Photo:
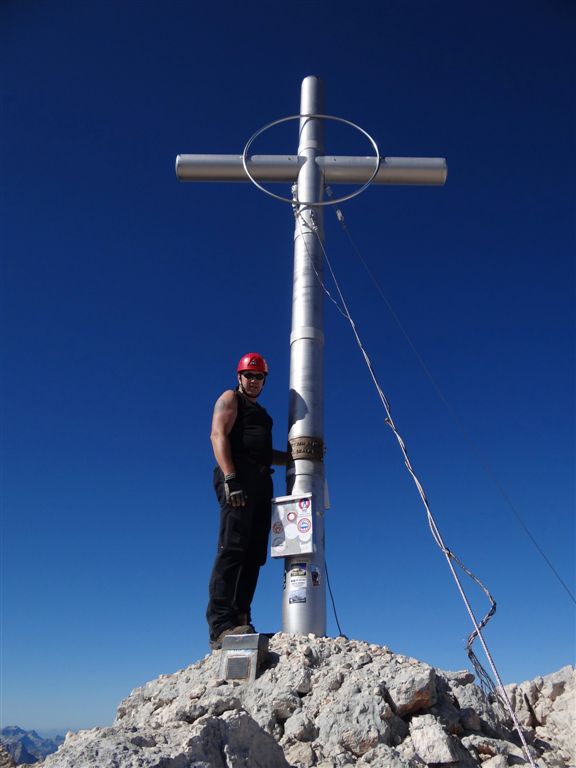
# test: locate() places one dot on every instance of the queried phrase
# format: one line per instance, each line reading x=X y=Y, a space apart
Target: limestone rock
x=231 y=741
x=413 y=689
x=548 y=706
x=383 y=755
x=301 y=728
x=470 y=719
x=498 y=761
x=430 y=741
x=300 y=755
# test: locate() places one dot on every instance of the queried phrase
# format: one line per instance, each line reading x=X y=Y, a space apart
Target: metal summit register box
x=243 y=657
x=292 y=518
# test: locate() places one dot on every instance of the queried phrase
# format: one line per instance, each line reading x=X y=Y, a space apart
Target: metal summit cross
x=304 y=599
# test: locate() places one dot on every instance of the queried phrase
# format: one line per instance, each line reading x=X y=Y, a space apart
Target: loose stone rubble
x=328 y=703
x=6 y=760
x=546 y=707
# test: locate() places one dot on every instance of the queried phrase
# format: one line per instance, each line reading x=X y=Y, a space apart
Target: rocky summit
x=329 y=702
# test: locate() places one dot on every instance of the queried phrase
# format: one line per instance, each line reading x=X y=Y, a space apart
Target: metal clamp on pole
x=311 y=448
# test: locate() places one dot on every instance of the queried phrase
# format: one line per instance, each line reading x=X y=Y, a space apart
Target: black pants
x=242 y=549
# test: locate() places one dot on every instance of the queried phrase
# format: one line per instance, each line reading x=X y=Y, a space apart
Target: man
x=242 y=442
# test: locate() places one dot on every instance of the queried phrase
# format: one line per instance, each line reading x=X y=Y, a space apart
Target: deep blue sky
x=127 y=298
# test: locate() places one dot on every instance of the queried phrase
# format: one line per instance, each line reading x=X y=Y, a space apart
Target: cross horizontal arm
x=336 y=170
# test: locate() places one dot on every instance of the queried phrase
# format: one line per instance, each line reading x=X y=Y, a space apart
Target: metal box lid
x=292 y=524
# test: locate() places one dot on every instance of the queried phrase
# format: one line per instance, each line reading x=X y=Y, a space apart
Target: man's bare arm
x=223 y=418
x=280 y=458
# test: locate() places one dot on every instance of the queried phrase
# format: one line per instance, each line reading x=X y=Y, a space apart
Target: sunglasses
x=250 y=376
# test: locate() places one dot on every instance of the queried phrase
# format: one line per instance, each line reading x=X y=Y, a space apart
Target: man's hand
x=235 y=495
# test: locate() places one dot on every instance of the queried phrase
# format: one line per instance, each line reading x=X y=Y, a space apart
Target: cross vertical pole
x=311 y=169
x=306 y=406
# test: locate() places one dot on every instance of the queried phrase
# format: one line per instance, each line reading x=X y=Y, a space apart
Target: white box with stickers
x=292 y=522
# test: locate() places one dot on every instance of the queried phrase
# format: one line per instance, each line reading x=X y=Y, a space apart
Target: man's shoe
x=244 y=618
x=243 y=629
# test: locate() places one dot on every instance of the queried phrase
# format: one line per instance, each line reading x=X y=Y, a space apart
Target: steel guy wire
x=324 y=288
x=450 y=556
x=332 y=597
x=483 y=461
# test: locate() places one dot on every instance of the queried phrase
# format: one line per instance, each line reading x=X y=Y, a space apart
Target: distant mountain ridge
x=28 y=747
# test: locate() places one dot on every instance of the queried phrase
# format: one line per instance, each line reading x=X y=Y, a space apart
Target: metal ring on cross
x=320 y=203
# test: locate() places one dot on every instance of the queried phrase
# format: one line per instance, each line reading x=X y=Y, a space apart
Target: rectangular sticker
x=297 y=575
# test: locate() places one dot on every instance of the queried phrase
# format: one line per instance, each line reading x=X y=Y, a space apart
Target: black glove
x=235 y=495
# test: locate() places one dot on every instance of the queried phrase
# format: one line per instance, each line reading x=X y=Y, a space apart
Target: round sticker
x=304 y=525
x=291 y=531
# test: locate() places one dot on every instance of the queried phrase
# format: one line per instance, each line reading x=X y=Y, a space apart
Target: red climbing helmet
x=252 y=361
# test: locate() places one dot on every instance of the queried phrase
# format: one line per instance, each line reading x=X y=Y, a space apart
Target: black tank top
x=251 y=436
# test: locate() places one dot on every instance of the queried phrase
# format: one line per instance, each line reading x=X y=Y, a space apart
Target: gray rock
x=448 y=714
x=383 y=756
x=233 y=739
x=485 y=748
x=547 y=705
x=399 y=729
x=492 y=717
x=462 y=677
x=499 y=761
x=483 y=745
x=431 y=743
x=353 y=722
x=300 y=755
x=470 y=719
x=301 y=727
x=413 y=689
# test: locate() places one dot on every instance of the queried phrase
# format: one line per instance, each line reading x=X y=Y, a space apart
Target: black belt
x=264 y=469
